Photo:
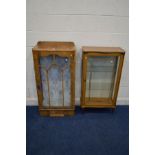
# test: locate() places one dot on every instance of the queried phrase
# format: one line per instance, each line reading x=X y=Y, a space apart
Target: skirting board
x=34 y=101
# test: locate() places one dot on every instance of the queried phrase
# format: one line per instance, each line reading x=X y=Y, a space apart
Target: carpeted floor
x=89 y=132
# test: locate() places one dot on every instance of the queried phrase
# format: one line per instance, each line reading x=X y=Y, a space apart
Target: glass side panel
x=101 y=72
x=55 y=76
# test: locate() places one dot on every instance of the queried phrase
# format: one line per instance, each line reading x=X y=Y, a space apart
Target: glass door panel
x=101 y=73
x=55 y=76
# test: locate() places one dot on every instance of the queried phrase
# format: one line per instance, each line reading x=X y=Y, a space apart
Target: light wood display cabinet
x=101 y=74
x=54 y=65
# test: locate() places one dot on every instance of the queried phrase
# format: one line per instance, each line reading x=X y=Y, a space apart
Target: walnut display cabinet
x=101 y=74
x=54 y=65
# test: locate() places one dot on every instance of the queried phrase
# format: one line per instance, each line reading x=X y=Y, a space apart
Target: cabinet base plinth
x=56 y=113
x=98 y=106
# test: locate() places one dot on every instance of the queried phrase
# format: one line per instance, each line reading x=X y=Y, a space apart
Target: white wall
x=86 y=22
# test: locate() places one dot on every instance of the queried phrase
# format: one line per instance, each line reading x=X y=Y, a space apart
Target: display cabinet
x=54 y=65
x=101 y=74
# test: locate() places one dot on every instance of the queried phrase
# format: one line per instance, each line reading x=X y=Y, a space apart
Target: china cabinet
x=101 y=74
x=54 y=65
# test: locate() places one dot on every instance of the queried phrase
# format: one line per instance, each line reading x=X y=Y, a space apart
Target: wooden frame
x=62 y=49
x=99 y=102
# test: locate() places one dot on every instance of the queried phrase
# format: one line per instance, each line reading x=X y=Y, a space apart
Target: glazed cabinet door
x=100 y=79
x=56 y=81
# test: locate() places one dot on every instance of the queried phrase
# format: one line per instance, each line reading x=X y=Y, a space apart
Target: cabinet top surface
x=54 y=46
x=102 y=49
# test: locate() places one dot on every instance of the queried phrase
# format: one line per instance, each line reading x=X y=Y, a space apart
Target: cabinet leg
x=113 y=109
x=82 y=110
